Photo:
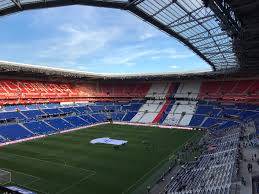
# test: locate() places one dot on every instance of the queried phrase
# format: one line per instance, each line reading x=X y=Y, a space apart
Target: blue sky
x=94 y=40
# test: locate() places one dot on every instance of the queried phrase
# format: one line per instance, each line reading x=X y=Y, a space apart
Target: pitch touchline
x=159 y=164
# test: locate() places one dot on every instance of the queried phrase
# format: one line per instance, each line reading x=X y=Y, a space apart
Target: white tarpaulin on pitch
x=107 y=140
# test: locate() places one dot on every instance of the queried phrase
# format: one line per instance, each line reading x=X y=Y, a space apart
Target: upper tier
x=25 y=92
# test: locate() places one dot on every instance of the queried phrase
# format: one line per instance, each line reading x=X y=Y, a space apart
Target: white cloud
x=181 y=56
x=78 y=41
x=93 y=40
x=147 y=35
x=174 y=66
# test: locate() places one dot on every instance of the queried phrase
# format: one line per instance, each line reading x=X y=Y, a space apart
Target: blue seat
x=196 y=120
x=117 y=116
x=100 y=117
x=32 y=106
x=89 y=119
x=10 y=108
x=52 y=105
x=129 y=116
x=59 y=124
x=42 y=106
x=22 y=107
x=14 y=132
x=67 y=110
x=228 y=111
x=247 y=114
x=204 y=109
x=11 y=115
x=33 y=114
x=227 y=124
x=52 y=111
x=83 y=109
x=39 y=127
x=211 y=122
x=96 y=108
x=76 y=121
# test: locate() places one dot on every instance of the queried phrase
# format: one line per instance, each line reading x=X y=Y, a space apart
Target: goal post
x=5 y=177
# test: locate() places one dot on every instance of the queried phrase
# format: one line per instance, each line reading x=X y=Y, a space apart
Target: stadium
x=71 y=131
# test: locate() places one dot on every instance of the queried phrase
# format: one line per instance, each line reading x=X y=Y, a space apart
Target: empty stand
x=159 y=90
x=149 y=111
x=240 y=90
x=39 y=127
x=181 y=113
x=14 y=132
x=188 y=89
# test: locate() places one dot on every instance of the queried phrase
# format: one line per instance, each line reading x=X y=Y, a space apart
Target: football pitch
x=68 y=163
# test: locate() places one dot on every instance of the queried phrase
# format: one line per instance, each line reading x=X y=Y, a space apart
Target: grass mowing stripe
x=23 y=173
x=76 y=183
x=55 y=163
x=158 y=165
x=62 y=161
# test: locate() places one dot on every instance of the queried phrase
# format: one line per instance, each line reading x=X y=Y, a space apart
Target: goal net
x=5 y=177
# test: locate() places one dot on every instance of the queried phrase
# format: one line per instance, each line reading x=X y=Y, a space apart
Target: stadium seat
x=39 y=127
x=14 y=132
x=59 y=124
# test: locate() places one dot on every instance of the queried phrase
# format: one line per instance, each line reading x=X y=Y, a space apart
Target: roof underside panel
x=247 y=42
x=187 y=20
x=197 y=25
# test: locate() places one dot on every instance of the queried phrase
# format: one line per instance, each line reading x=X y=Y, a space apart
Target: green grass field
x=68 y=163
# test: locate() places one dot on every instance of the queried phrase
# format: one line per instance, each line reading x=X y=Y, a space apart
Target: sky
x=93 y=39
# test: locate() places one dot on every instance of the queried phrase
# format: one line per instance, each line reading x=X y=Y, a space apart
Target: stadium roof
x=208 y=27
x=10 y=70
x=246 y=44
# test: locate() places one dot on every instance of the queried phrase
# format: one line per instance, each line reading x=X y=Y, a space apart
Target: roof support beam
x=17 y=3
x=191 y=23
x=170 y=32
x=163 y=8
x=59 y=3
x=201 y=19
x=225 y=14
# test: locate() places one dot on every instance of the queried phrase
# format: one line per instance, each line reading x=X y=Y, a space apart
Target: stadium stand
x=181 y=113
x=159 y=90
x=188 y=89
x=39 y=127
x=213 y=171
x=14 y=132
x=207 y=105
x=239 y=90
x=149 y=111
x=184 y=104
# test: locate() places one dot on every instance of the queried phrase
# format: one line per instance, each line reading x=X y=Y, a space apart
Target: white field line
x=55 y=163
x=26 y=184
x=92 y=173
x=26 y=174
